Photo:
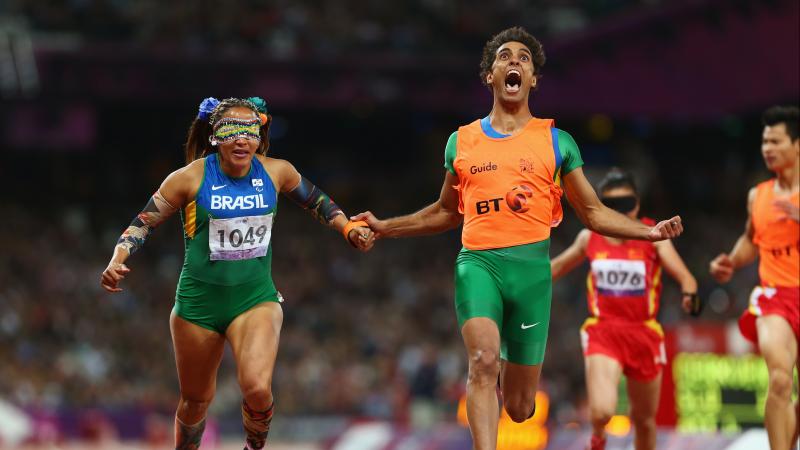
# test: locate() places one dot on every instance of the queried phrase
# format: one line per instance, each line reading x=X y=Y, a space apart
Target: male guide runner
x=772 y=233
x=502 y=183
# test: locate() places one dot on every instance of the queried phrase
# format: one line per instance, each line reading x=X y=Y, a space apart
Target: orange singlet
x=508 y=190
x=778 y=240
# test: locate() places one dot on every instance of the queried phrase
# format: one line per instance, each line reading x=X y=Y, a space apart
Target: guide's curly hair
x=516 y=34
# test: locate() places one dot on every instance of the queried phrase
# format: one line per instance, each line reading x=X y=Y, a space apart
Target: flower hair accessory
x=206 y=107
x=259 y=103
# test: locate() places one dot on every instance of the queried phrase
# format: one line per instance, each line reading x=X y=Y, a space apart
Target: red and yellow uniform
x=624 y=289
x=778 y=240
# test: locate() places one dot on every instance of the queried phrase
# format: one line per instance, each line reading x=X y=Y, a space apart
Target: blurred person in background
x=227 y=196
x=502 y=181
x=772 y=234
x=622 y=334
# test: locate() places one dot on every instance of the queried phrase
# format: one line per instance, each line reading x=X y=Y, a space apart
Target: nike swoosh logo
x=214 y=188
x=525 y=327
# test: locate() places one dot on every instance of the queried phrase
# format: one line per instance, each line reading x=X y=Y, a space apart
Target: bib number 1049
x=235 y=239
x=239 y=237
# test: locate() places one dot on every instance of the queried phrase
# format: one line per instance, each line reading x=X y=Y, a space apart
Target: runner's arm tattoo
x=157 y=210
x=312 y=199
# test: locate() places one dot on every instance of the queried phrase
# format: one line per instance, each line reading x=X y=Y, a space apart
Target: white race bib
x=619 y=277
x=239 y=237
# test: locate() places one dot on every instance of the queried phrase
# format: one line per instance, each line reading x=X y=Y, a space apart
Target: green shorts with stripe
x=513 y=287
x=215 y=306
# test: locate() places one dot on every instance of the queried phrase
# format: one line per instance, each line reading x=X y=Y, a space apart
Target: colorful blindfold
x=229 y=129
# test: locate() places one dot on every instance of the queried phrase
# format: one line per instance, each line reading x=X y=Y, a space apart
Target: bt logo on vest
x=784 y=251
x=516 y=200
x=484 y=206
x=486 y=167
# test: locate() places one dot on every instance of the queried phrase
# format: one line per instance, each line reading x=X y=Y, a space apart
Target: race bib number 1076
x=619 y=277
x=239 y=237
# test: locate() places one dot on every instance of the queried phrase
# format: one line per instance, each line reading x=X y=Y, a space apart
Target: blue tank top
x=228 y=227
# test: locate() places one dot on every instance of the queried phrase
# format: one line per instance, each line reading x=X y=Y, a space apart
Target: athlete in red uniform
x=772 y=233
x=622 y=334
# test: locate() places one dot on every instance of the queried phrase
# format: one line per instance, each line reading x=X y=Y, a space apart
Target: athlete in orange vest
x=772 y=234
x=622 y=334
x=502 y=182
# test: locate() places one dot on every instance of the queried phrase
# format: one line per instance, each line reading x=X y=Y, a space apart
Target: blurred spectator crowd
x=307 y=28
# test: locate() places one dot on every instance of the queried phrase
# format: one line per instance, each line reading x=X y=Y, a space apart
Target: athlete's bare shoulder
x=191 y=173
x=751 y=197
x=749 y=229
x=583 y=237
x=194 y=167
x=180 y=187
x=270 y=161
x=283 y=173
